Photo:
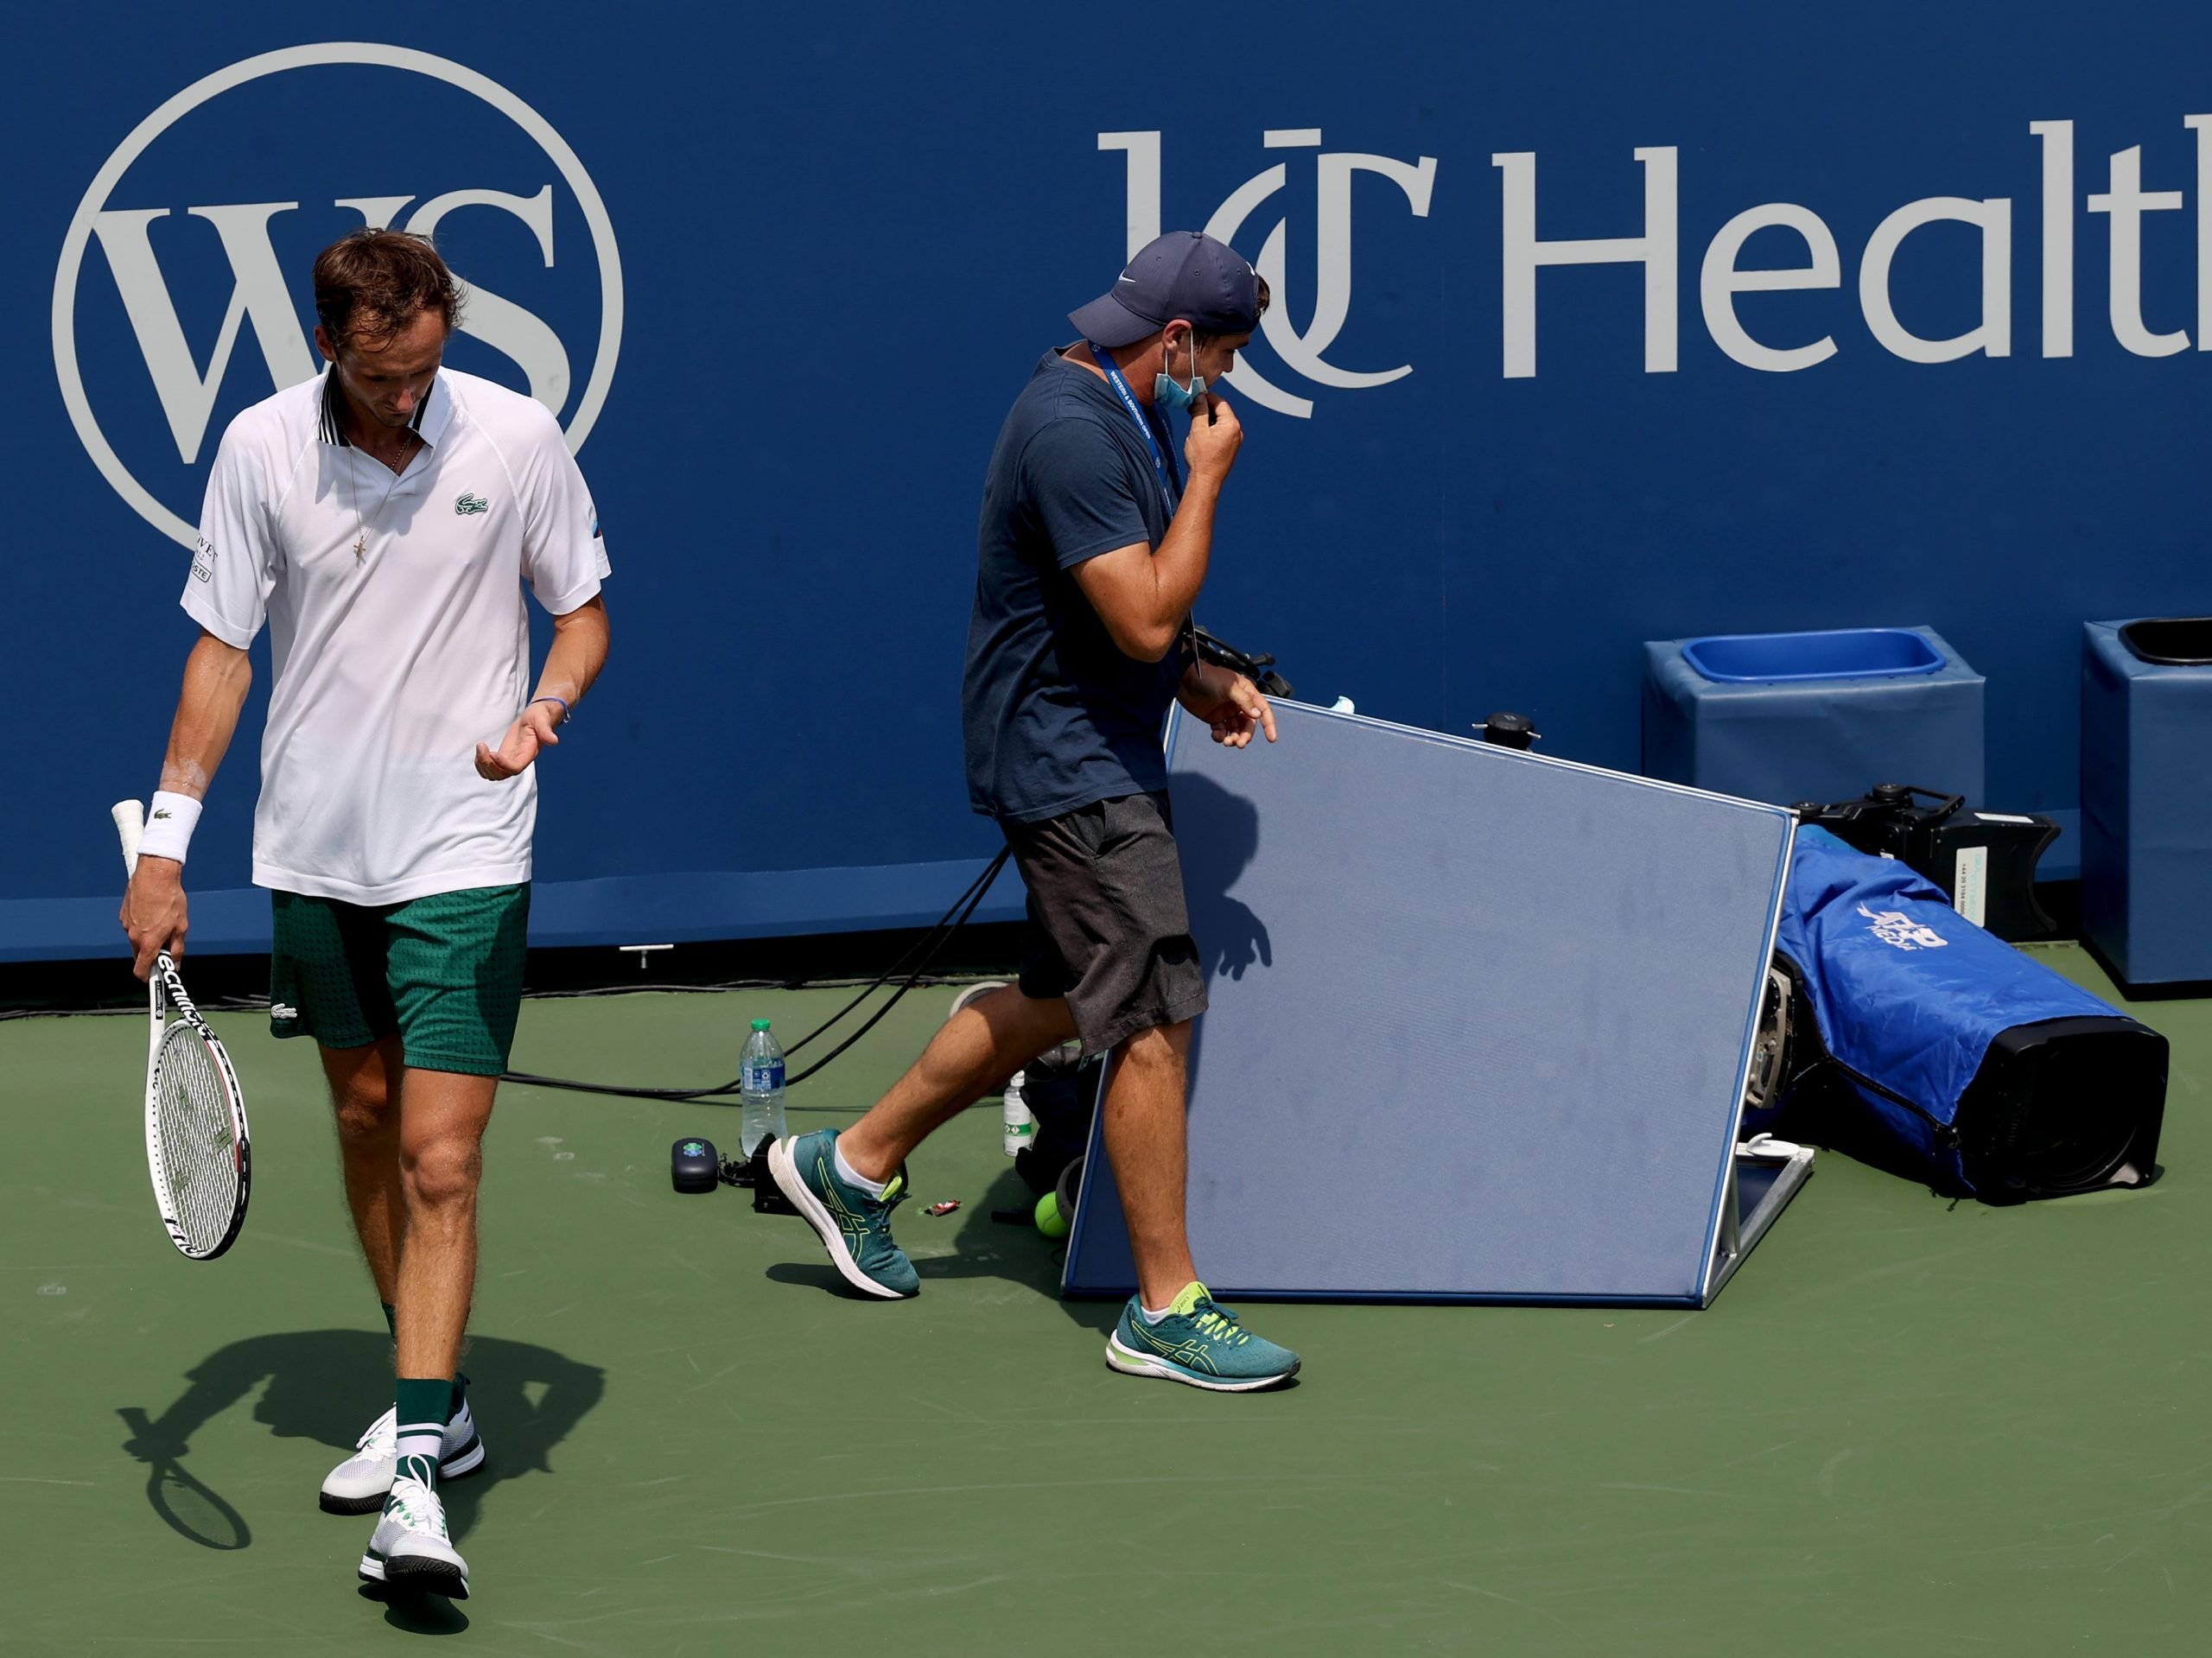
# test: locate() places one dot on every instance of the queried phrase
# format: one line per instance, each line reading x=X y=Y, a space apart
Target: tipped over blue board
x=1480 y=1021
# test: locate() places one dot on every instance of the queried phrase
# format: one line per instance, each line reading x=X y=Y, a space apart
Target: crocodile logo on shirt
x=468 y=506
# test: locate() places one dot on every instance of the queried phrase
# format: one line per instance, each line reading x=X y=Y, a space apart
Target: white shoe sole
x=1120 y=1358
x=784 y=1167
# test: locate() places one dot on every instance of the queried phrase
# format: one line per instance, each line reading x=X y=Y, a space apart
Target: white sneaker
x=409 y=1548
x=360 y=1485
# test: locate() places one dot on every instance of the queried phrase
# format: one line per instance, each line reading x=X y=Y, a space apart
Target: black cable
x=875 y=1018
x=972 y=898
x=135 y=1006
x=928 y=946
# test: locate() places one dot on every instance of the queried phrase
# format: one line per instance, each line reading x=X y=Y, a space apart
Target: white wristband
x=169 y=823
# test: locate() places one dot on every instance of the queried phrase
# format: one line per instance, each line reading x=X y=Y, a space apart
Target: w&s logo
x=177 y=303
x=1300 y=354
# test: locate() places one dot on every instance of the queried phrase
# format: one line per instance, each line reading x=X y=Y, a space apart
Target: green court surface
x=1907 y=1427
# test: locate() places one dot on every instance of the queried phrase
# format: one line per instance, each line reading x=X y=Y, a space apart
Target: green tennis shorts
x=444 y=972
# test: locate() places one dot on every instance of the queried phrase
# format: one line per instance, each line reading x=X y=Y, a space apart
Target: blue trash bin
x=2146 y=799
x=1784 y=717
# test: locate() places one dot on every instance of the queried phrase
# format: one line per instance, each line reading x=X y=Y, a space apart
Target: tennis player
x=1094 y=543
x=382 y=519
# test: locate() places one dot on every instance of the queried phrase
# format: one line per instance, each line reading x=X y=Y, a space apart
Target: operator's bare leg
x=1171 y=1327
x=974 y=1053
x=1145 y=1141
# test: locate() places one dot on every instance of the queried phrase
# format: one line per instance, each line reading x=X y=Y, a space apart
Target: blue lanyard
x=1170 y=482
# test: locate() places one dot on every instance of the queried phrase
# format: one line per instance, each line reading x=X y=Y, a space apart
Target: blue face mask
x=1170 y=393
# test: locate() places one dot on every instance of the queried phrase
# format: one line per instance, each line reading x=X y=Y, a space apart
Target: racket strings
x=199 y=1142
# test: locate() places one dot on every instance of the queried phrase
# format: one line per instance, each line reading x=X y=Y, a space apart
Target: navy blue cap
x=1183 y=274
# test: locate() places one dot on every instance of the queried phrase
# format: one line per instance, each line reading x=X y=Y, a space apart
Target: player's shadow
x=326 y=1386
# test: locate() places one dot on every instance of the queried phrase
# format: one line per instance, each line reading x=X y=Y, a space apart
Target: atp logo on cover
x=1299 y=353
x=1899 y=931
x=182 y=294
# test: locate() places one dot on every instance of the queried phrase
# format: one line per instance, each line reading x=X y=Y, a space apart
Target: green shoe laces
x=1220 y=1324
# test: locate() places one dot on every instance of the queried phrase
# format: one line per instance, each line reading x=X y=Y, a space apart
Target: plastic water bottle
x=760 y=1091
x=1020 y=1122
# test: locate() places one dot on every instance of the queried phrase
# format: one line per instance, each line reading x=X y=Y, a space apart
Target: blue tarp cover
x=1908 y=993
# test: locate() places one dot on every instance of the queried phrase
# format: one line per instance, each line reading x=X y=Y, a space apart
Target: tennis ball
x=1050 y=1221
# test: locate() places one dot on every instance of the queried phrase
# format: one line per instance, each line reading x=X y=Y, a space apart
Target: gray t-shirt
x=1055 y=716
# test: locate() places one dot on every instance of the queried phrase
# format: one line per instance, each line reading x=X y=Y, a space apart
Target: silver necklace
x=361 y=536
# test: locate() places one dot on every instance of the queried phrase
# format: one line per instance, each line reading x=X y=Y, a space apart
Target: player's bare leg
x=362 y=1094
x=442 y=1116
x=366 y=1085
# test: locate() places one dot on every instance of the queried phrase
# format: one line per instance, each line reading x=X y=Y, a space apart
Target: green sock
x=391 y=1319
x=460 y=1392
x=421 y=1408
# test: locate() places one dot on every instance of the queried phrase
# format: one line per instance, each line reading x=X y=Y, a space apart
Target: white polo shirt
x=393 y=665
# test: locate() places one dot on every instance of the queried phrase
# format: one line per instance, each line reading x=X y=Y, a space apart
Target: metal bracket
x=1767 y=1173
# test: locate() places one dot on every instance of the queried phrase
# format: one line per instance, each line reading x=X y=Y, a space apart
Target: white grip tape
x=130 y=817
x=169 y=823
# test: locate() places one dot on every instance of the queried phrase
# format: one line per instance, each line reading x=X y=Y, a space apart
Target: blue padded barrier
x=673 y=909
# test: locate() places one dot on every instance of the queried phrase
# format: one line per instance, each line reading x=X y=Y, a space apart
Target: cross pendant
x=360 y=548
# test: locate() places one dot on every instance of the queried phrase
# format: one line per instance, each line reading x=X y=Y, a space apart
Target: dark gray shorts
x=1108 y=928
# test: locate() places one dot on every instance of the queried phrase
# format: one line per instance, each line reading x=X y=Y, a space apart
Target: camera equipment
x=1984 y=862
x=753 y=1173
x=1772 y=1049
x=1259 y=670
x=1509 y=731
x=695 y=1166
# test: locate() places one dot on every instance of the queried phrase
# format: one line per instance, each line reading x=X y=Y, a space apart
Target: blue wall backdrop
x=783 y=270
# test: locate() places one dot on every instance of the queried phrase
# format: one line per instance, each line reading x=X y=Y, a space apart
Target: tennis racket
x=196 y=1149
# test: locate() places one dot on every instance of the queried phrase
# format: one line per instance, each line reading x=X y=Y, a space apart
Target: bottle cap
x=760 y=1023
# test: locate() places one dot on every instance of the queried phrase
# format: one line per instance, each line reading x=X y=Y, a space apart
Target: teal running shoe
x=853 y=1227
x=1200 y=1341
